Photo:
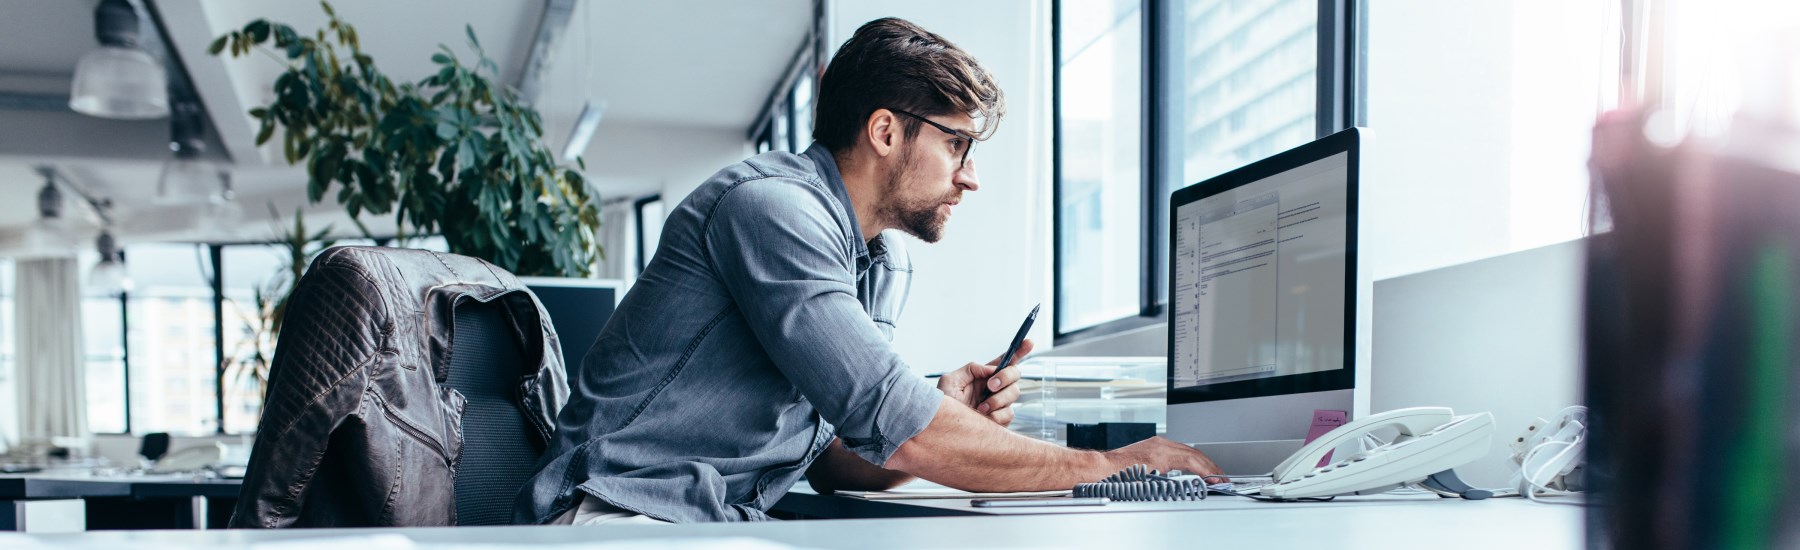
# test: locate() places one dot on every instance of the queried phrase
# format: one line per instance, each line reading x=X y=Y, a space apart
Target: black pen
x=1018 y=340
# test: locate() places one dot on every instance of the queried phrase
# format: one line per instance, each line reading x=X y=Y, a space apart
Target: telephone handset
x=198 y=457
x=1431 y=440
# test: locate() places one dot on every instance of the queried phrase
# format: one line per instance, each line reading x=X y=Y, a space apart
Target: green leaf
x=455 y=145
x=315 y=188
x=218 y=45
x=257 y=30
x=327 y=6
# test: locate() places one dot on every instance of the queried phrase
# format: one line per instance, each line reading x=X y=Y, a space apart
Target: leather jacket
x=358 y=428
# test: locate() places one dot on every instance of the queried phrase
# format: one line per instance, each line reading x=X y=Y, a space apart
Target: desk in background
x=62 y=502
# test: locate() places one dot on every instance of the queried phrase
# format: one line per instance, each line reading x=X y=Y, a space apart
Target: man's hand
x=971 y=383
x=1162 y=454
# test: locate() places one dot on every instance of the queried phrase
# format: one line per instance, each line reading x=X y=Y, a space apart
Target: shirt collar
x=828 y=168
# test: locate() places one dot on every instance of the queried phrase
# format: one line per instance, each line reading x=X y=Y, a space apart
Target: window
x=786 y=123
x=252 y=278
x=169 y=334
x=103 y=336
x=1154 y=95
x=1100 y=115
x=650 y=214
x=1241 y=84
x=801 y=99
x=9 y=416
x=783 y=139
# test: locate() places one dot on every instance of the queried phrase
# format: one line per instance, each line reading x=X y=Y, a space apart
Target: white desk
x=1382 y=524
x=801 y=501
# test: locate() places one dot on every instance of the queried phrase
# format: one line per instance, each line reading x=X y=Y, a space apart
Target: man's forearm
x=838 y=469
x=962 y=449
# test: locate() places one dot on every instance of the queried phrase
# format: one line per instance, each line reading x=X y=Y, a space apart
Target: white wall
x=1481 y=112
x=971 y=290
x=1501 y=335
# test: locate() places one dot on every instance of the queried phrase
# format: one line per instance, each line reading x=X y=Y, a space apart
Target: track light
x=187 y=178
x=108 y=278
x=120 y=80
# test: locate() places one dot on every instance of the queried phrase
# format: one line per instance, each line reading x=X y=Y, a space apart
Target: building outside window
x=169 y=329
x=1228 y=82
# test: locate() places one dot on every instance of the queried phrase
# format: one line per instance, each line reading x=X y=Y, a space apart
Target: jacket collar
x=829 y=169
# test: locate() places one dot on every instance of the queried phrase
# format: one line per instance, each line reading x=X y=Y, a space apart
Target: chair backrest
x=500 y=448
x=154 y=446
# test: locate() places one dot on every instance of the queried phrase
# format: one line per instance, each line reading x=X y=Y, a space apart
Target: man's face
x=928 y=179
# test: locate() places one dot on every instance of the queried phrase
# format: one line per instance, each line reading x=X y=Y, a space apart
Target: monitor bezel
x=1346 y=141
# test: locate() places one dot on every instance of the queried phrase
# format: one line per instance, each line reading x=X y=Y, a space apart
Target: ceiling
x=673 y=69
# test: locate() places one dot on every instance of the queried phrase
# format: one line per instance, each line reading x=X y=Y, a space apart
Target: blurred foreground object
x=1693 y=298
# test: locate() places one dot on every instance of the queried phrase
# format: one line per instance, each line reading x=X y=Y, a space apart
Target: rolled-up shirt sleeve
x=783 y=255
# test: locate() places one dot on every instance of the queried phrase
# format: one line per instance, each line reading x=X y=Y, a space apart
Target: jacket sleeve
x=314 y=385
x=783 y=255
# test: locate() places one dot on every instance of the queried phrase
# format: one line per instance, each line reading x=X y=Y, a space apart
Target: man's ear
x=882 y=131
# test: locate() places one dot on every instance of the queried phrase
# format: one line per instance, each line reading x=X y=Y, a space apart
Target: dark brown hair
x=891 y=63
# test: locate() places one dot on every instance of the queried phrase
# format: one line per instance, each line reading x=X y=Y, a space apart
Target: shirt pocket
x=884 y=291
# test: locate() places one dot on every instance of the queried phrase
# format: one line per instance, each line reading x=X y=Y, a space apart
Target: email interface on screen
x=1259 y=278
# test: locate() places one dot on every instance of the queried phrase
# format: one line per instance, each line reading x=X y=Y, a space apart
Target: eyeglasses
x=968 y=140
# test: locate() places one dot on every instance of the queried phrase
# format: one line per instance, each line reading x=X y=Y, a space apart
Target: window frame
x=805 y=68
x=637 y=219
x=124 y=300
x=1339 y=81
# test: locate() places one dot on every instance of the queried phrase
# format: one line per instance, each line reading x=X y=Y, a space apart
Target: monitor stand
x=1249 y=458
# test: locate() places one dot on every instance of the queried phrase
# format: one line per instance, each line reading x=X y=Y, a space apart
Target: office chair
x=153 y=447
x=409 y=388
x=500 y=451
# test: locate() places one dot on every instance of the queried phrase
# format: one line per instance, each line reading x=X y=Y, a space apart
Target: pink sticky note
x=1323 y=422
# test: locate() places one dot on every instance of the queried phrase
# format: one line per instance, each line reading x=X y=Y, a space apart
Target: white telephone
x=1431 y=440
x=198 y=457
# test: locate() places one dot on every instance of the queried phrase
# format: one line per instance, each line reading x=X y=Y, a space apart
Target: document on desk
x=922 y=489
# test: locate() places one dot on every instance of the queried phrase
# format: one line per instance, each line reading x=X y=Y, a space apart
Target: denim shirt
x=759 y=331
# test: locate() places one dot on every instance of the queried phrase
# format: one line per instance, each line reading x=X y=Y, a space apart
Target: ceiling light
x=49 y=235
x=119 y=80
x=108 y=278
x=221 y=217
x=50 y=201
x=583 y=130
x=186 y=178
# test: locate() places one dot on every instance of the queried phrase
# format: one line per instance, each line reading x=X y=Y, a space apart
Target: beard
x=918 y=216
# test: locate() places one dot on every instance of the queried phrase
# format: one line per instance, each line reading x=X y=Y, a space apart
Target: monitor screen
x=1262 y=299
x=578 y=309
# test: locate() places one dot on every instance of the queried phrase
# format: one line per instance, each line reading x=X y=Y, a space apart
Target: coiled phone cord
x=1141 y=483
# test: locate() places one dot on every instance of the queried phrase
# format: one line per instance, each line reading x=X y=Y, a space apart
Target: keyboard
x=1246 y=484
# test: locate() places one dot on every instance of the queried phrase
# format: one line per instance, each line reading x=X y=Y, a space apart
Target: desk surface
x=77 y=485
x=803 y=501
x=1372 y=524
x=31 y=486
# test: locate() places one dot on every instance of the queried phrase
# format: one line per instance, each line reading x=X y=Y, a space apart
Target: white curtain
x=52 y=379
x=618 y=234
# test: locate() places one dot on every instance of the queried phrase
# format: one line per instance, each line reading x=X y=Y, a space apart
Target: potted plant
x=454 y=154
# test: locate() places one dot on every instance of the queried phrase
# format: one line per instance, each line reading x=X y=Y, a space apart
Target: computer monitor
x=578 y=309
x=1268 y=305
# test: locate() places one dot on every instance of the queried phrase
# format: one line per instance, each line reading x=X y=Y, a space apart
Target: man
x=755 y=346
